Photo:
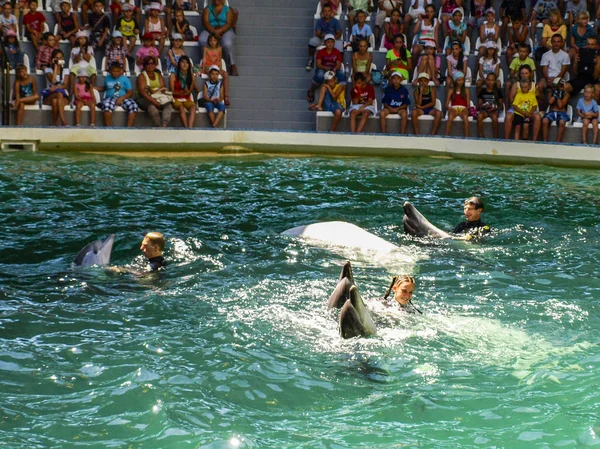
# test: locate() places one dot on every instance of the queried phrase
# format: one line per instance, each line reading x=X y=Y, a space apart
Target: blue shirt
x=110 y=83
x=331 y=27
x=592 y=107
x=395 y=97
x=364 y=32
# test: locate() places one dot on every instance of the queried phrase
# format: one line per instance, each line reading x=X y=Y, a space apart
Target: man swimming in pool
x=473 y=226
x=153 y=246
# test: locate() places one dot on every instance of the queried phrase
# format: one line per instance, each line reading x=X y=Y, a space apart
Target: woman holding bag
x=153 y=95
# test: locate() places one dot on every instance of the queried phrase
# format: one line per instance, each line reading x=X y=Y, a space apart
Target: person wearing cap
x=8 y=21
x=175 y=52
x=150 y=82
x=213 y=93
x=554 y=64
x=457 y=29
x=219 y=19
x=13 y=52
x=489 y=63
x=82 y=58
x=67 y=23
x=332 y=98
x=558 y=100
x=147 y=49
x=455 y=61
x=473 y=226
x=326 y=25
x=525 y=106
x=429 y=63
x=363 y=97
x=84 y=96
x=458 y=101
x=328 y=59
x=129 y=27
x=155 y=26
x=117 y=51
x=447 y=9
x=425 y=99
x=395 y=101
x=488 y=31
x=99 y=25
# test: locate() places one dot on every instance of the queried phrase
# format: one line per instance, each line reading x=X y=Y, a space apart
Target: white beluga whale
x=95 y=253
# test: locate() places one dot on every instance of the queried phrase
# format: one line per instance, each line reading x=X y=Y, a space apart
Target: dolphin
x=95 y=253
x=342 y=289
x=416 y=224
x=354 y=318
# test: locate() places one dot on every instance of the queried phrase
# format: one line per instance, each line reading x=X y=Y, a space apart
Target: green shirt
x=516 y=63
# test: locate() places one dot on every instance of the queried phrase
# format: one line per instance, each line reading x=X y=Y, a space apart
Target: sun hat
x=457 y=10
x=490 y=44
x=83 y=72
x=458 y=74
x=128 y=7
x=423 y=75
x=177 y=36
x=81 y=33
x=155 y=5
x=492 y=10
x=117 y=33
x=214 y=67
x=429 y=43
x=328 y=36
x=329 y=75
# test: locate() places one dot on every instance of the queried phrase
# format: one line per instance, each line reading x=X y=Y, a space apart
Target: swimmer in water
x=473 y=226
x=403 y=287
x=153 y=246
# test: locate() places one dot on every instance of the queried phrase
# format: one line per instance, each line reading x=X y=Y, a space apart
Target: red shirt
x=35 y=20
x=363 y=95
x=329 y=60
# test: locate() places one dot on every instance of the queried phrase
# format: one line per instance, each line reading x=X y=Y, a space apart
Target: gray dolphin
x=342 y=289
x=354 y=318
x=95 y=253
x=416 y=224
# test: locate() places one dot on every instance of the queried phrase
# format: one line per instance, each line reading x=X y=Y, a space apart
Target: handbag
x=163 y=97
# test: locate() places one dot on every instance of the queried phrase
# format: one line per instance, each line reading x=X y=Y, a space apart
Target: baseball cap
x=177 y=36
x=214 y=67
x=329 y=75
x=117 y=33
x=423 y=75
x=329 y=36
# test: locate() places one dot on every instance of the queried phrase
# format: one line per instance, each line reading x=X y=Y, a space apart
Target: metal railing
x=5 y=86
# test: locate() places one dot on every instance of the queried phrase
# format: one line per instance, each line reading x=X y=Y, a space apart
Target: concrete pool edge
x=184 y=142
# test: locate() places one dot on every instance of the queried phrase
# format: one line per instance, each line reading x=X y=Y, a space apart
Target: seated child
x=84 y=96
x=429 y=63
x=515 y=65
x=181 y=25
x=328 y=59
x=362 y=60
x=34 y=22
x=118 y=91
x=558 y=99
x=8 y=21
x=355 y=6
x=457 y=103
x=116 y=51
x=155 y=26
x=587 y=111
x=147 y=49
x=213 y=97
x=489 y=104
x=99 y=25
x=360 y=30
x=43 y=56
x=395 y=101
x=68 y=24
x=212 y=55
x=425 y=99
x=129 y=27
x=13 y=51
x=332 y=98
x=56 y=93
x=24 y=92
x=363 y=96
x=525 y=106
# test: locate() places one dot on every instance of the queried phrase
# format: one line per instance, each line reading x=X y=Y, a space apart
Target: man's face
x=148 y=248
x=557 y=43
x=471 y=213
x=98 y=8
x=7 y=9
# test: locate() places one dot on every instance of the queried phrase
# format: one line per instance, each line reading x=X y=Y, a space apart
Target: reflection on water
x=233 y=346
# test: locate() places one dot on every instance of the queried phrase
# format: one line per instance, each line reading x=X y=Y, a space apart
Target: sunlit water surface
x=233 y=345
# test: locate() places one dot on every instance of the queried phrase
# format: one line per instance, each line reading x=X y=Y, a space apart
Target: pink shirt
x=147 y=51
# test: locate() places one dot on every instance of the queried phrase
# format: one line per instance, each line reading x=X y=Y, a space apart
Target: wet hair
x=156 y=238
x=476 y=201
x=397 y=280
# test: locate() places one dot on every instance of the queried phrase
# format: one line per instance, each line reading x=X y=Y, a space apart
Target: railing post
x=5 y=74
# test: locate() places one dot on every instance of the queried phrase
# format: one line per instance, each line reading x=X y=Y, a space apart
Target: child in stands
x=360 y=30
x=82 y=58
x=182 y=26
x=425 y=100
x=24 y=91
x=213 y=97
x=578 y=36
x=57 y=82
x=541 y=13
x=99 y=25
x=516 y=64
x=395 y=101
x=587 y=111
x=511 y=10
x=362 y=60
x=84 y=96
x=458 y=102
x=399 y=59
x=325 y=26
x=68 y=24
x=489 y=31
x=175 y=52
x=363 y=97
x=489 y=104
x=425 y=30
x=116 y=51
x=183 y=85
x=8 y=21
x=477 y=16
x=456 y=62
x=147 y=49
x=490 y=63
x=355 y=6
x=517 y=36
x=392 y=28
x=525 y=105
x=447 y=9
x=213 y=55
x=34 y=22
x=118 y=91
x=155 y=25
x=129 y=27
x=429 y=63
x=558 y=100
x=13 y=51
x=332 y=98
x=44 y=54
x=328 y=59
x=385 y=10
x=457 y=30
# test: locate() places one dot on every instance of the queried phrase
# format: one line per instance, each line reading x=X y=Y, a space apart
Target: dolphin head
x=95 y=253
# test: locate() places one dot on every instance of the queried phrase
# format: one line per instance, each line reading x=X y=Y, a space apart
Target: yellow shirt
x=548 y=33
x=525 y=101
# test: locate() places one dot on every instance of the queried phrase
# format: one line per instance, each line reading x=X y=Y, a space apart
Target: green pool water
x=233 y=345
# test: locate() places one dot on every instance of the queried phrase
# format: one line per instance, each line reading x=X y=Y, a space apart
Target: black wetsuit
x=474 y=228
x=157 y=262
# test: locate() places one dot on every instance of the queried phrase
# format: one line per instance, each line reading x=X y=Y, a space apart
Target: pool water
x=233 y=345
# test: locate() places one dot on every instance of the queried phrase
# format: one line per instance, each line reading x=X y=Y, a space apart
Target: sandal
x=233 y=70
x=227 y=100
x=310 y=96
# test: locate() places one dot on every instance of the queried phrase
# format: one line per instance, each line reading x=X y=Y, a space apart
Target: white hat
x=394 y=73
x=155 y=5
x=423 y=75
x=177 y=36
x=329 y=75
x=457 y=10
x=83 y=72
x=117 y=33
x=490 y=44
x=328 y=36
x=81 y=33
x=214 y=67
x=429 y=43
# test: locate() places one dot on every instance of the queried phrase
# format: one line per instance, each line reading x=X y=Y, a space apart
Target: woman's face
x=403 y=292
x=395 y=16
x=184 y=64
x=363 y=46
x=399 y=42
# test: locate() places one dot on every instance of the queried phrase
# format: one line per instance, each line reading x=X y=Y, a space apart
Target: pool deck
x=185 y=143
